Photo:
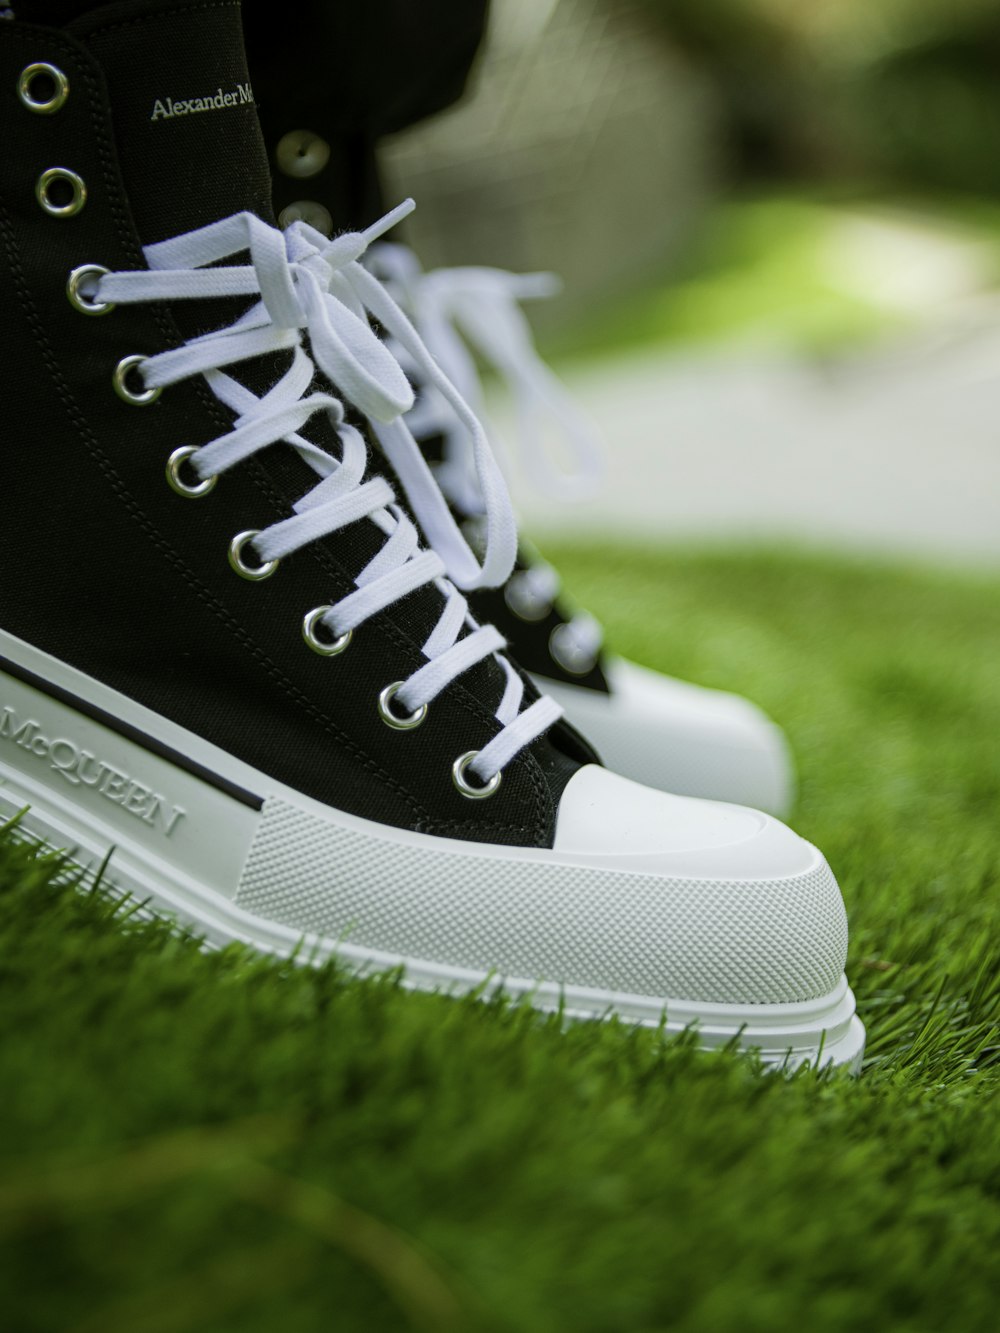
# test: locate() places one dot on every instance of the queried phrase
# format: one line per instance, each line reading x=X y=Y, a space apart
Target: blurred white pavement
x=896 y=451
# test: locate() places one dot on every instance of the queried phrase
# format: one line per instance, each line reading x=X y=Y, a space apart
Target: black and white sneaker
x=222 y=649
x=322 y=131
x=654 y=728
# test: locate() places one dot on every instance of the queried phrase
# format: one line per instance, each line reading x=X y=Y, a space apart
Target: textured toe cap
x=724 y=904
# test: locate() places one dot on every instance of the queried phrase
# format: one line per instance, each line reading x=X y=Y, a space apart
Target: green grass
x=817 y=275
x=214 y=1142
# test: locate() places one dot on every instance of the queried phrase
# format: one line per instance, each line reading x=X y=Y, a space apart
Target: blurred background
x=778 y=228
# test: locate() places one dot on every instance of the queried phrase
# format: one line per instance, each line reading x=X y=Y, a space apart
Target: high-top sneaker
x=222 y=649
x=646 y=725
x=323 y=132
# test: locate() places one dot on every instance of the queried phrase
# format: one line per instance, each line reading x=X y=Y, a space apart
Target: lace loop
x=350 y=287
x=461 y=311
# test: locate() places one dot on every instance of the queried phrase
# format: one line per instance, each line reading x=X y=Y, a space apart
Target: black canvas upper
x=531 y=640
x=108 y=569
x=424 y=55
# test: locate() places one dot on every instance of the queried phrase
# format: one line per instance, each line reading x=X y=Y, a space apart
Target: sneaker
x=651 y=727
x=646 y=725
x=223 y=650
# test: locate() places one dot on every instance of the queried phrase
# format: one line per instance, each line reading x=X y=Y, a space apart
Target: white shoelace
x=461 y=313
x=322 y=289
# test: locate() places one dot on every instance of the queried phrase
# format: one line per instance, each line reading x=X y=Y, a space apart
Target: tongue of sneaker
x=184 y=117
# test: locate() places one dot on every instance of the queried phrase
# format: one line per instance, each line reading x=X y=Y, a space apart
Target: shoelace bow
x=307 y=283
x=461 y=313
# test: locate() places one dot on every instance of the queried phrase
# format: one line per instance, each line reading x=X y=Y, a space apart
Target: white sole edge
x=824 y=1031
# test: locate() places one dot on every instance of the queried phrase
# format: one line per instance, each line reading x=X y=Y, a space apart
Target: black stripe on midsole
x=131 y=733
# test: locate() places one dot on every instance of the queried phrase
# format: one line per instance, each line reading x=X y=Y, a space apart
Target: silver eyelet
x=522 y=601
x=120 y=380
x=309 y=212
x=392 y=719
x=567 y=654
x=301 y=154
x=252 y=572
x=325 y=647
x=464 y=786
x=74 y=290
x=177 y=483
x=78 y=196
x=60 y=88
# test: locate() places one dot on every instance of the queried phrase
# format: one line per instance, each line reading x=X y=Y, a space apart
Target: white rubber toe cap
x=720 y=903
x=604 y=815
x=682 y=738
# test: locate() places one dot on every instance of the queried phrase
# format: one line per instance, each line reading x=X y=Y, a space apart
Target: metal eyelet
x=465 y=787
x=120 y=380
x=568 y=654
x=522 y=601
x=392 y=719
x=252 y=572
x=309 y=212
x=43 y=106
x=74 y=290
x=325 y=647
x=177 y=483
x=301 y=154
x=78 y=192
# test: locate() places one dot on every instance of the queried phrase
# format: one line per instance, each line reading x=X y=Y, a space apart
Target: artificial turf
x=215 y=1142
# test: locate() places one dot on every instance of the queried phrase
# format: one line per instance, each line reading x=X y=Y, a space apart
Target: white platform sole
x=192 y=869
